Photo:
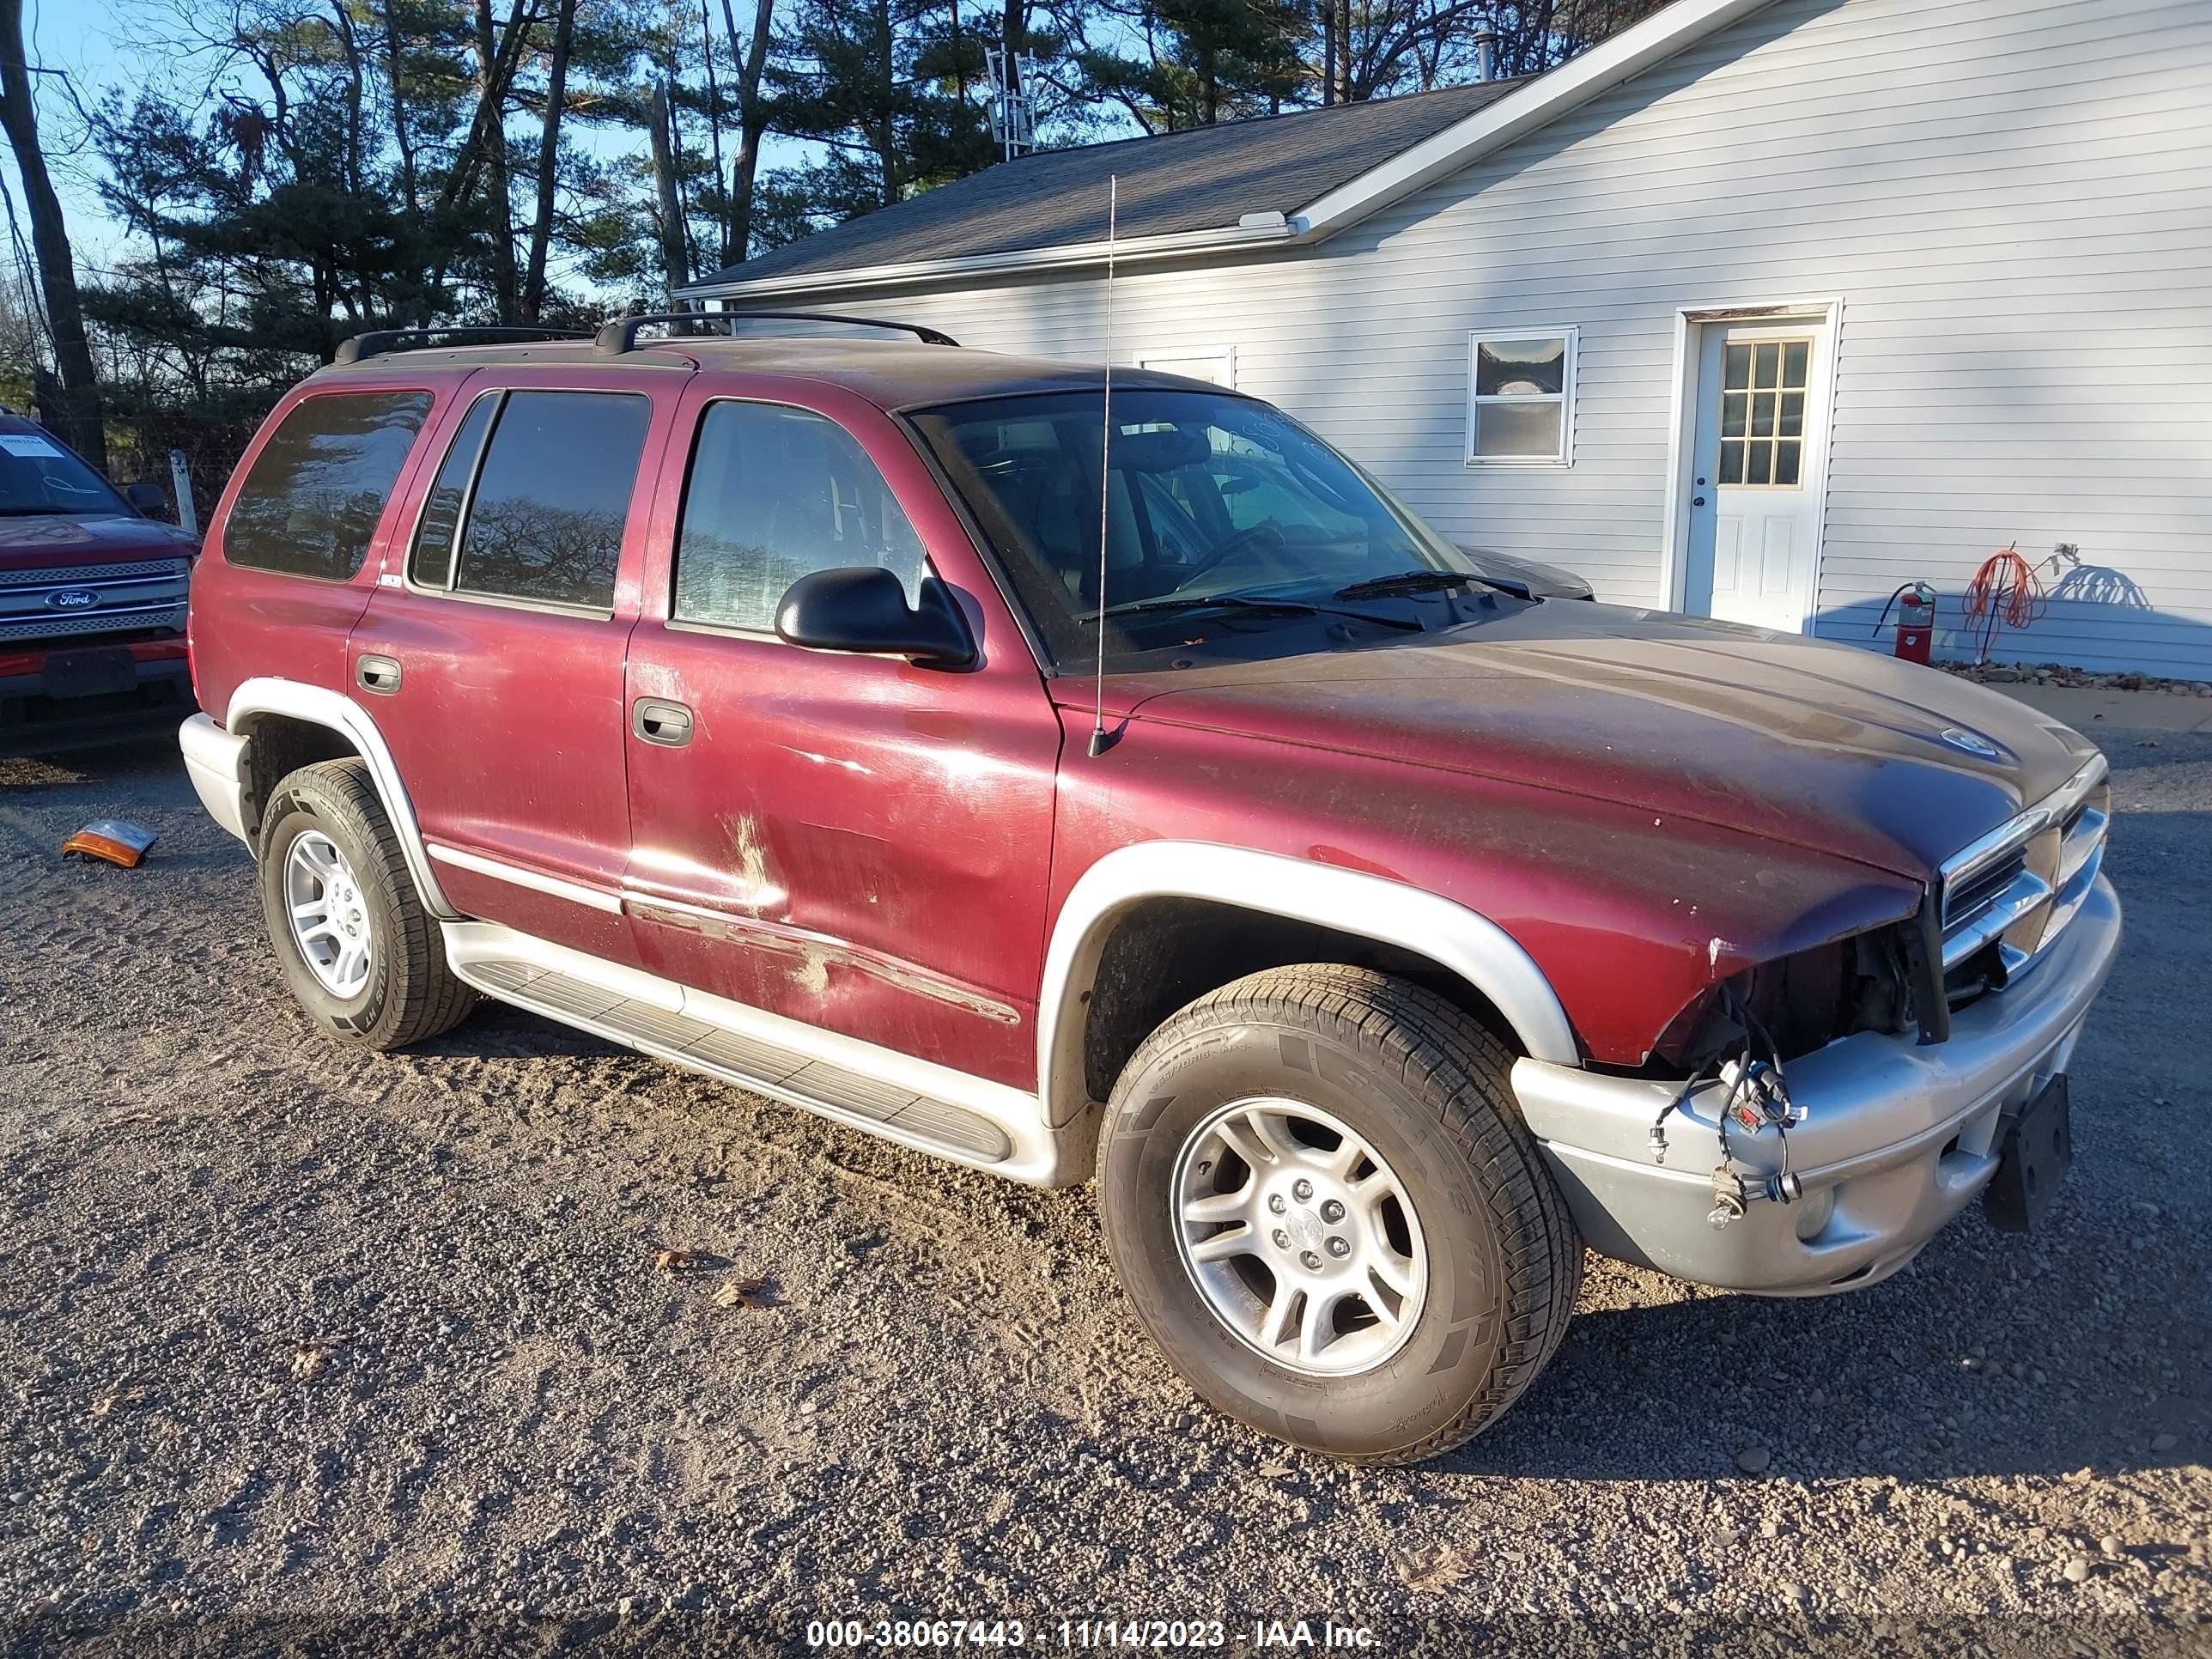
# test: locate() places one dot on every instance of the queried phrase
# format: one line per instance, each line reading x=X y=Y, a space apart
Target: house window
x=1762 y=413
x=1214 y=363
x=1520 y=408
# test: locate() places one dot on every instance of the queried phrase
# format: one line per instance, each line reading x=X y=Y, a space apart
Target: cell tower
x=1013 y=115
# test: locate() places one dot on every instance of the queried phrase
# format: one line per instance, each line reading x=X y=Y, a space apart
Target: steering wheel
x=1264 y=537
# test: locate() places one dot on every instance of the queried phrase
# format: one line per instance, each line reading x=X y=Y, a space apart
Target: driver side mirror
x=146 y=497
x=863 y=609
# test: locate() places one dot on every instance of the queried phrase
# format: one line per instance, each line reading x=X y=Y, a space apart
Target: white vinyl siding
x=2008 y=197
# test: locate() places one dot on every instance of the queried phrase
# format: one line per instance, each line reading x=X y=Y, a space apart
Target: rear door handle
x=668 y=724
x=378 y=674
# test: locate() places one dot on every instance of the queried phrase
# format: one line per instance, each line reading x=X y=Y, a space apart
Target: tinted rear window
x=552 y=495
x=311 y=503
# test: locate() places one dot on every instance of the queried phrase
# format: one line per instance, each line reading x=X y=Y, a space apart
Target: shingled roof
x=1205 y=179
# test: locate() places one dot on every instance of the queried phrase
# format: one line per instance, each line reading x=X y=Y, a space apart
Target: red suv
x=91 y=601
x=1376 y=932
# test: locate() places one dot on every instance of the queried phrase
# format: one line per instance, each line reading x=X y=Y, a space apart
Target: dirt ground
x=335 y=1352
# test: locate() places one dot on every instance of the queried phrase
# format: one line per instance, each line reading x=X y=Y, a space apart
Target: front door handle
x=378 y=674
x=668 y=724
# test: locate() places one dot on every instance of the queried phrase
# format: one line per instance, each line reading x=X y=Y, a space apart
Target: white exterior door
x=1756 y=471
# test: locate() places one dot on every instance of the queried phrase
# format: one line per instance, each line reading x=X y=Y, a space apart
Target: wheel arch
x=1481 y=962
x=286 y=715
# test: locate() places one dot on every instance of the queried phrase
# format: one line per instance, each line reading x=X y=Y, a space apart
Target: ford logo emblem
x=73 y=598
x=1968 y=742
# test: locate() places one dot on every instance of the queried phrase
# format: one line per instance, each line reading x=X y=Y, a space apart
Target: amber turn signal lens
x=112 y=841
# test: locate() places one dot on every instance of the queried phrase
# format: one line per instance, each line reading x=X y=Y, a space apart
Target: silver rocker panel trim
x=915 y=1102
x=595 y=898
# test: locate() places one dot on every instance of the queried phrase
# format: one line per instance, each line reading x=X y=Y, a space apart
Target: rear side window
x=311 y=503
x=776 y=492
x=532 y=498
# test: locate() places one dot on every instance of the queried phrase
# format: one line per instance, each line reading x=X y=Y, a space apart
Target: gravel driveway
x=374 y=1354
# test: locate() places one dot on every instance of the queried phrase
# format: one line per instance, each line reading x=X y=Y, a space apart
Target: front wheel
x=1318 y=1191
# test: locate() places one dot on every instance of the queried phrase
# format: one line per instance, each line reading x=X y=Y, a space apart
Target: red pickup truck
x=91 y=601
x=887 y=729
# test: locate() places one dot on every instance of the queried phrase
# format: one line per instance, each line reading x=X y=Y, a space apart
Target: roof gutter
x=1544 y=99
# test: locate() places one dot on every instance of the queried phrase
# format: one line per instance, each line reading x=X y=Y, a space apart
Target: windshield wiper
x=1431 y=581
x=1239 y=602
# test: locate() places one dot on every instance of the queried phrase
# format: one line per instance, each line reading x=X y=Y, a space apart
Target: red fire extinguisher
x=1914 y=604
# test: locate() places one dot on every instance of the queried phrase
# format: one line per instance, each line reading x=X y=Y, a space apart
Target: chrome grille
x=133 y=597
x=2017 y=887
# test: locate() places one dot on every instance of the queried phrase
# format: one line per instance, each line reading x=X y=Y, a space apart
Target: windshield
x=38 y=476
x=1207 y=496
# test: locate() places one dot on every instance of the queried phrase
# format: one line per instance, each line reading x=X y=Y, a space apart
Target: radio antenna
x=1098 y=739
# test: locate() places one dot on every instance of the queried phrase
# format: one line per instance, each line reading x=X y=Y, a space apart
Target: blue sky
x=93 y=43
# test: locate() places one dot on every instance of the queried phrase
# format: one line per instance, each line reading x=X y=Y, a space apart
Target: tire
x=1350 y=1053
x=328 y=818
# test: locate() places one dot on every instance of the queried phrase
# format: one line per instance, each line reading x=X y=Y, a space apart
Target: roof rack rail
x=619 y=336
x=377 y=342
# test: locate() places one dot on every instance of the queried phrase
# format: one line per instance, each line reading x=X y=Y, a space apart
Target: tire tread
x=1460 y=1071
x=428 y=999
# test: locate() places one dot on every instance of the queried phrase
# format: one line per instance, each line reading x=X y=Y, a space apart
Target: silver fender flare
x=318 y=707
x=1469 y=945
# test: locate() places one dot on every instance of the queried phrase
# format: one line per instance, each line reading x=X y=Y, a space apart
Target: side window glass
x=776 y=492
x=431 y=564
x=546 y=519
x=311 y=503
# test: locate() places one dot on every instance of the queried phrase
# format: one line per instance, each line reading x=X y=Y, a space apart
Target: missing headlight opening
x=1742 y=1035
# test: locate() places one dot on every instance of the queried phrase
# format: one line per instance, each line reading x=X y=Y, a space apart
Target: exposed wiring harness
x=2006 y=590
x=1757 y=1097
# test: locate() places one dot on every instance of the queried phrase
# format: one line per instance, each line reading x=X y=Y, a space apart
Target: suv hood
x=1823 y=746
x=36 y=543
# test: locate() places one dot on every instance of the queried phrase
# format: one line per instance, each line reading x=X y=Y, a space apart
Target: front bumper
x=1897 y=1140
x=132 y=691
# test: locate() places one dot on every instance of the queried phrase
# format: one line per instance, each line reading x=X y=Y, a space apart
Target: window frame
x=666 y=598
x=507 y=601
x=1226 y=356
x=1570 y=334
x=229 y=507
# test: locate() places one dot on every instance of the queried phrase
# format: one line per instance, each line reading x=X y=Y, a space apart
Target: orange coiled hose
x=2006 y=590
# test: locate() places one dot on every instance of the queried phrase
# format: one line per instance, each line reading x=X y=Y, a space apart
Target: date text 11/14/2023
x=1154 y=1635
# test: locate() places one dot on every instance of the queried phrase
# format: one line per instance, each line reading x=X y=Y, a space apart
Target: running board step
x=883 y=1105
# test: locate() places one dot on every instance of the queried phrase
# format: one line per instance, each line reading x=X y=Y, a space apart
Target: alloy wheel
x=329 y=914
x=1301 y=1240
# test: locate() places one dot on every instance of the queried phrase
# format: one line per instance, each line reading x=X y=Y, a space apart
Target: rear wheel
x=1318 y=1191
x=358 y=950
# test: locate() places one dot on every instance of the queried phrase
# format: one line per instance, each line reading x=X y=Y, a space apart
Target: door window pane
x=545 y=522
x=776 y=494
x=318 y=486
x=432 y=564
x=1762 y=413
